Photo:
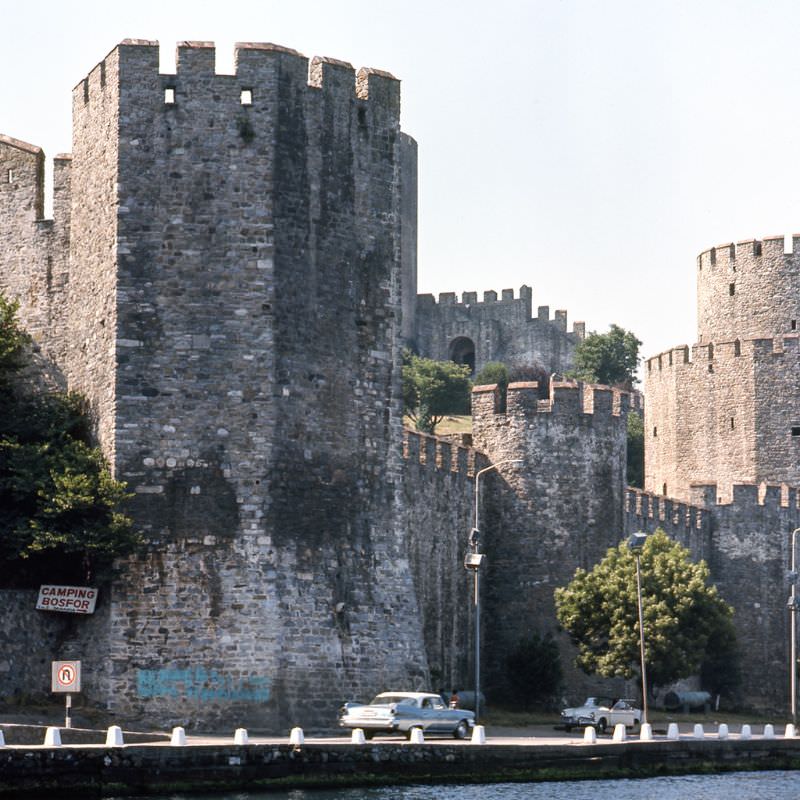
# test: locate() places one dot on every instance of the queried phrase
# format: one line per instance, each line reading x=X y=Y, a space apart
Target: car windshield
x=598 y=701
x=385 y=699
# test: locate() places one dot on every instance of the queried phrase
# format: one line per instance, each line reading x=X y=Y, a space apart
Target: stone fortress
x=229 y=278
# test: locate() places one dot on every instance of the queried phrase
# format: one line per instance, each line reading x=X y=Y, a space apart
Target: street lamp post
x=635 y=545
x=793 y=620
x=473 y=561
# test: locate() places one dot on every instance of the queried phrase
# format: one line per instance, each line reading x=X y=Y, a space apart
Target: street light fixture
x=636 y=545
x=474 y=560
x=793 y=618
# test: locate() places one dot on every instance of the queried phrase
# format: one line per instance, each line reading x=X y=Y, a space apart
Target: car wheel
x=460 y=731
x=369 y=734
x=601 y=725
x=568 y=728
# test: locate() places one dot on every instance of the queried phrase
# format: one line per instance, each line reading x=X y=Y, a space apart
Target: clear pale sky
x=588 y=149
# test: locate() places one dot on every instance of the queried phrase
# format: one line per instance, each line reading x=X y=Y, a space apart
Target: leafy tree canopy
x=432 y=389
x=684 y=618
x=608 y=358
x=60 y=509
x=493 y=372
x=534 y=672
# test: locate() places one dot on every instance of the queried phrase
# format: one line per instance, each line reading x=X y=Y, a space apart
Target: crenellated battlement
x=256 y=65
x=671 y=514
x=441 y=454
x=723 y=353
x=744 y=496
x=566 y=399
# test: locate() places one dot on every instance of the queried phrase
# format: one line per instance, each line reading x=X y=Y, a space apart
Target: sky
x=588 y=149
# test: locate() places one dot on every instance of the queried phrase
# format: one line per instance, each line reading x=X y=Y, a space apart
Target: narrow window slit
x=169 y=96
x=246 y=97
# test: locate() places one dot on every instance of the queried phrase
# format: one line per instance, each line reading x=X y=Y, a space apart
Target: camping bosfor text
x=69 y=599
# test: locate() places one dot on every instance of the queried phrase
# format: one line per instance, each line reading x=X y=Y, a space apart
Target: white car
x=401 y=712
x=601 y=713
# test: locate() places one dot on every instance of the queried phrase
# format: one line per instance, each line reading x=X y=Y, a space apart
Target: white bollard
x=646 y=732
x=769 y=731
x=240 y=736
x=178 y=737
x=478 y=735
x=2 y=740
x=589 y=735
x=746 y=732
x=114 y=736
x=357 y=736
x=790 y=732
x=698 y=732
x=297 y=737
x=417 y=736
x=619 y=733
x=722 y=731
x=673 y=732
x=52 y=737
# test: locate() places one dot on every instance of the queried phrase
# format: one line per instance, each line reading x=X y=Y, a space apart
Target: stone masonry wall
x=562 y=508
x=726 y=416
x=748 y=290
x=438 y=501
x=257 y=407
x=500 y=330
x=33 y=263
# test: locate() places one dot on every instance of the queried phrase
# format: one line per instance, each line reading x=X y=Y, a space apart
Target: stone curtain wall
x=438 y=502
x=501 y=330
x=561 y=509
x=34 y=251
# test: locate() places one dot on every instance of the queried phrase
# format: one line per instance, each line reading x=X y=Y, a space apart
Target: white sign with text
x=68 y=599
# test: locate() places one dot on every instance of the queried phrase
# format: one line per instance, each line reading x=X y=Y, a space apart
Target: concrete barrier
x=357 y=736
x=52 y=737
x=769 y=731
x=698 y=732
x=417 y=736
x=620 y=734
x=478 y=735
x=646 y=732
x=178 y=737
x=240 y=736
x=297 y=737
x=746 y=732
x=589 y=735
x=722 y=731
x=673 y=732
x=790 y=731
x=114 y=736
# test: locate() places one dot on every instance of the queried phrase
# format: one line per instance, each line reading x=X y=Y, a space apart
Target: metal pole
x=641 y=640
x=793 y=620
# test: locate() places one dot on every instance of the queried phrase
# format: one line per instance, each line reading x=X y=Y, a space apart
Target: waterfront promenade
x=210 y=762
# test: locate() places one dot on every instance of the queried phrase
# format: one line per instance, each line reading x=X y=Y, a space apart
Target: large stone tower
x=230 y=303
x=727 y=411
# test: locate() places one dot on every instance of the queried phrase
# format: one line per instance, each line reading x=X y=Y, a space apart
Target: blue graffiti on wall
x=199 y=683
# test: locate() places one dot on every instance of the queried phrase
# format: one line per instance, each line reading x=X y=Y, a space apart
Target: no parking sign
x=66 y=677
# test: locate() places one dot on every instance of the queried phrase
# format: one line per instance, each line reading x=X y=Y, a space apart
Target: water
x=731 y=786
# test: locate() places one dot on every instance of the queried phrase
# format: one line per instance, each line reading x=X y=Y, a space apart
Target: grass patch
x=450 y=424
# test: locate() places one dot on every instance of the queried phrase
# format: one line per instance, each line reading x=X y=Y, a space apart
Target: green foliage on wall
x=60 y=509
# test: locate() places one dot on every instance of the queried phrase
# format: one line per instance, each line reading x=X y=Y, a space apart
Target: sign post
x=66 y=679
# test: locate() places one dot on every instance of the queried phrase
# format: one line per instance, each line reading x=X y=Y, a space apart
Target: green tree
x=635 y=464
x=59 y=506
x=493 y=372
x=609 y=358
x=684 y=618
x=432 y=389
x=534 y=672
